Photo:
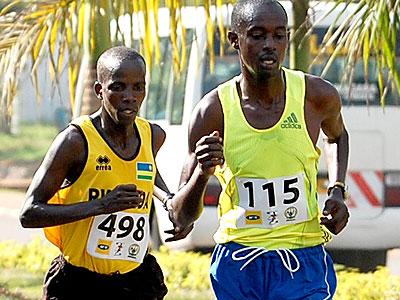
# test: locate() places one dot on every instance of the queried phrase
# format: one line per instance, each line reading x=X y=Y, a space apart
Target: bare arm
x=205 y=153
x=66 y=155
x=336 y=144
x=161 y=190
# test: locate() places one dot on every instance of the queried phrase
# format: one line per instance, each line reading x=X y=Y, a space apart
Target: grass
x=18 y=284
x=22 y=269
x=29 y=145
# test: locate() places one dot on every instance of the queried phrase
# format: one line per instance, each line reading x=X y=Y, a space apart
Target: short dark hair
x=244 y=10
x=119 y=53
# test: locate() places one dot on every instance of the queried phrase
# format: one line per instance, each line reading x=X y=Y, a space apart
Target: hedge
x=189 y=271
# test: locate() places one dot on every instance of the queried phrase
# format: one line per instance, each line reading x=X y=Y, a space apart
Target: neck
x=120 y=133
x=266 y=89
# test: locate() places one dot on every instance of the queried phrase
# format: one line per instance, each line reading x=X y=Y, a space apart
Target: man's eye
x=257 y=35
x=116 y=87
x=140 y=87
x=280 y=36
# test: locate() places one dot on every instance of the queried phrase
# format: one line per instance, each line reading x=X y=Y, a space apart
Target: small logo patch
x=272 y=217
x=133 y=250
x=291 y=213
x=253 y=217
x=291 y=122
x=144 y=171
x=103 y=247
x=103 y=163
x=118 y=251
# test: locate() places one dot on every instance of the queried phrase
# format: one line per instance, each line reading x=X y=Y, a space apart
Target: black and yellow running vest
x=114 y=242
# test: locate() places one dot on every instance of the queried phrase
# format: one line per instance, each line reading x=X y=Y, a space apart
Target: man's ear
x=233 y=39
x=97 y=89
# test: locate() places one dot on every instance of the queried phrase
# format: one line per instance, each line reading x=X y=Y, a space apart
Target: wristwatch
x=165 y=200
x=340 y=185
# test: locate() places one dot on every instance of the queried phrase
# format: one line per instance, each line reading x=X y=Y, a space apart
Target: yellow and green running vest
x=115 y=242
x=269 y=179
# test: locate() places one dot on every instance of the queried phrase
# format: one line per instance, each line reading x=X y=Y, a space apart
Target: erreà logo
x=291 y=122
x=103 y=163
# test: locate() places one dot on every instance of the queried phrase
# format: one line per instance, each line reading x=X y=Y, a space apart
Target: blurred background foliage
x=22 y=268
x=70 y=35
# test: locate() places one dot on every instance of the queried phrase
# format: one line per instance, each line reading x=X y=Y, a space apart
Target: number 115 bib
x=270 y=203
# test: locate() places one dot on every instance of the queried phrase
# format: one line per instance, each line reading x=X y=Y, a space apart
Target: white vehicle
x=374 y=167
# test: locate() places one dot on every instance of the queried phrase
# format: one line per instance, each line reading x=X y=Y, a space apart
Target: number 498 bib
x=119 y=235
x=269 y=203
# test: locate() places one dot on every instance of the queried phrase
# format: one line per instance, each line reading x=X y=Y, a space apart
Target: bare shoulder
x=206 y=118
x=322 y=95
x=324 y=100
x=67 y=154
x=69 y=144
x=64 y=160
x=209 y=105
x=158 y=137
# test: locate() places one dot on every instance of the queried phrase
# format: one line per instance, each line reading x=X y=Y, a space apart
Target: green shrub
x=186 y=273
x=184 y=270
x=34 y=257
x=378 y=285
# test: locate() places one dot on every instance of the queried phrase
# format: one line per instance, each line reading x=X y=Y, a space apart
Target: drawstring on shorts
x=256 y=251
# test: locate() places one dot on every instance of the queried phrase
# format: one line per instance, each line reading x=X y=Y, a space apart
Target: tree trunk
x=300 y=46
x=90 y=103
x=5 y=123
x=101 y=42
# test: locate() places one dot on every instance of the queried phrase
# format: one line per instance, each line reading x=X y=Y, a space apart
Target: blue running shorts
x=239 y=272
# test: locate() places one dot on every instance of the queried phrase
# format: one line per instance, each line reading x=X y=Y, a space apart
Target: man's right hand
x=209 y=153
x=123 y=197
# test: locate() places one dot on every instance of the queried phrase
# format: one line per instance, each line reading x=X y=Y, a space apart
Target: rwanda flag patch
x=144 y=171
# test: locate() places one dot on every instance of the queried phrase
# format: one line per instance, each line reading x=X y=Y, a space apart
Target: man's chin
x=266 y=74
x=124 y=122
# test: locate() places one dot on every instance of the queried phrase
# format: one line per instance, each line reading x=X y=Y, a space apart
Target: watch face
x=342 y=187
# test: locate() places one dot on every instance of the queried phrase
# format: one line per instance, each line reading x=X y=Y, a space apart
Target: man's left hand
x=336 y=213
x=178 y=233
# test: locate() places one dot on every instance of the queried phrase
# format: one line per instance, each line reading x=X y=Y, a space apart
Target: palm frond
x=70 y=34
x=370 y=32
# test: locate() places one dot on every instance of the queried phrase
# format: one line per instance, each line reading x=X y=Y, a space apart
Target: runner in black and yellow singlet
x=115 y=242
x=258 y=134
x=93 y=193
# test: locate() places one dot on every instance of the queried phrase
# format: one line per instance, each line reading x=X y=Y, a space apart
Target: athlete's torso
x=269 y=196
x=107 y=243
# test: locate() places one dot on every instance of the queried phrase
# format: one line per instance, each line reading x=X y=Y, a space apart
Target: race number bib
x=270 y=203
x=119 y=235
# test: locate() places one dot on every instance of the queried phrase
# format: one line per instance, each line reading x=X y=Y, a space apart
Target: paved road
x=10 y=228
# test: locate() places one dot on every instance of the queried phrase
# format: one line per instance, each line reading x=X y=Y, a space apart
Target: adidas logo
x=291 y=122
x=103 y=163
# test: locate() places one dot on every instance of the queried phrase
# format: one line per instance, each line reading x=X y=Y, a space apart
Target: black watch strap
x=340 y=185
x=164 y=201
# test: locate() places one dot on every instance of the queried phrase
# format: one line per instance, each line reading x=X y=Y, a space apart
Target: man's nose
x=129 y=96
x=269 y=42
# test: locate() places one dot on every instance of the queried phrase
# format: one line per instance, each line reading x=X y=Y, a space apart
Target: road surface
x=10 y=229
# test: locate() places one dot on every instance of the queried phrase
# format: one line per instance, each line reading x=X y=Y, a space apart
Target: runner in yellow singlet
x=258 y=133
x=93 y=192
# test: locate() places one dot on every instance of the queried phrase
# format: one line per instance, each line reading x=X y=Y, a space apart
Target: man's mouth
x=268 y=60
x=127 y=111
